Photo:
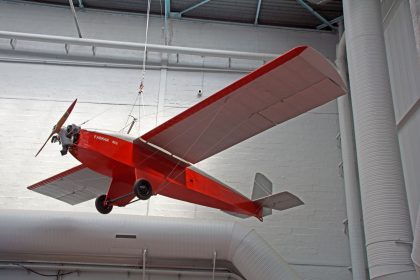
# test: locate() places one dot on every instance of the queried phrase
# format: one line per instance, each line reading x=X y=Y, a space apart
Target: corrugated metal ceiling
x=288 y=13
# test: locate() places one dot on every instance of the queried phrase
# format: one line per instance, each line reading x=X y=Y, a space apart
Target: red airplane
x=116 y=168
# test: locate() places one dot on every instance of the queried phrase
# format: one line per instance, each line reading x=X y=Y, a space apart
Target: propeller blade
x=64 y=117
x=52 y=133
x=59 y=124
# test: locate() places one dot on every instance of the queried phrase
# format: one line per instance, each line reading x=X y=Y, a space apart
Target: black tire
x=142 y=189
x=101 y=206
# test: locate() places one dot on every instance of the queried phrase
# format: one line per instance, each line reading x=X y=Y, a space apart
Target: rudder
x=262 y=187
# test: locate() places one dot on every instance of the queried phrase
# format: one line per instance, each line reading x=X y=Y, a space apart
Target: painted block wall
x=301 y=156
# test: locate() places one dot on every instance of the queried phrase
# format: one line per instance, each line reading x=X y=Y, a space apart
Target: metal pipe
x=121 y=65
x=73 y=11
x=194 y=6
x=116 y=269
x=214 y=264
x=135 y=46
x=316 y=14
x=144 y=264
x=351 y=184
x=337 y=19
x=319 y=2
x=257 y=13
x=384 y=200
x=167 y=14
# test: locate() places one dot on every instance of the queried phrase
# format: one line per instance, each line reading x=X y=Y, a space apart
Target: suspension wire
x=129 y=114
x=143 y=73
x=141 y=112
x=161 y=9
x=165 y=184
x=95 y=116
x=141 y=87
x=147 y=115
x=172 y=172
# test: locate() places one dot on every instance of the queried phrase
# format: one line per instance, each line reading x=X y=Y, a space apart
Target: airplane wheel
x=143 y=189
x=101 y=205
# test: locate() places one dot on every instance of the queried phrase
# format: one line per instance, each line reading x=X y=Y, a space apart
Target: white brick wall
x=300 y=156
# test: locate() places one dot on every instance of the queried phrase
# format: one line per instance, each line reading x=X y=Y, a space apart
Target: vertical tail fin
x=262 y=187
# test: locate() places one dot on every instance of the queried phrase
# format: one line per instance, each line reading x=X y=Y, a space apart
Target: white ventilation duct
x=91 y=238
x=351 y=183
x=384 y=202
x=415 y=15
x=415 y=255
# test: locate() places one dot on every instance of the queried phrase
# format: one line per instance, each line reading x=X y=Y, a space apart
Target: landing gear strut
x=102 y=205
x=142 y=189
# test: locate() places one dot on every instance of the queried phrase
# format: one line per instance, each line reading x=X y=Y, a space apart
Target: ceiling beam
x=338 y=19
x=194 y=6
x=257 y=14
x=316 y=14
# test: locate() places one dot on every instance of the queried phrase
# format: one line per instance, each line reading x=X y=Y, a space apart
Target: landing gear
x=142 y=189
x=102 y=206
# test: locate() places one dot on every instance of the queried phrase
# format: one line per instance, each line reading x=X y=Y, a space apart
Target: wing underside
x=292 y=84
x=73 y=186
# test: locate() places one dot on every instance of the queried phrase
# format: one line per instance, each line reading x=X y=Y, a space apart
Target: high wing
x=73 y=186
x=284 y=88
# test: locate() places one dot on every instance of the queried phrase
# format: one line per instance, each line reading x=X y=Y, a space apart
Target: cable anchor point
x=141 y=88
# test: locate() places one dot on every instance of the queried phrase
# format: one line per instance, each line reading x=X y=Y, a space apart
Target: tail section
x=262 y=187
x=279 y=201
x=262 y=194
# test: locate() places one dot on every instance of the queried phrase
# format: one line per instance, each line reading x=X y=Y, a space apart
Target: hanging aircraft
x=117 y=168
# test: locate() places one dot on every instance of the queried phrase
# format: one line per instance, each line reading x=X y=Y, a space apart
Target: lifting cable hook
x=141 y=87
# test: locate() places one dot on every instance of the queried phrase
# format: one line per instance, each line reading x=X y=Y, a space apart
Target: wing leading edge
x=294 y=83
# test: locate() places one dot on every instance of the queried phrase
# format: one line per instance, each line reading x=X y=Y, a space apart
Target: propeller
x=59 y=124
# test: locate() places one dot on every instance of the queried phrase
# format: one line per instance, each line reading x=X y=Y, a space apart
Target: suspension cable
x=141 y=87
x=143 y=73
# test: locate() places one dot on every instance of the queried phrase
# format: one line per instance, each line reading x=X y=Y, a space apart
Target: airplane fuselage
x=127 y=160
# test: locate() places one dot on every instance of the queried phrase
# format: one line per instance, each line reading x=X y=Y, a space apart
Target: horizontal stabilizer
x=237 y=215
x=279 y=201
